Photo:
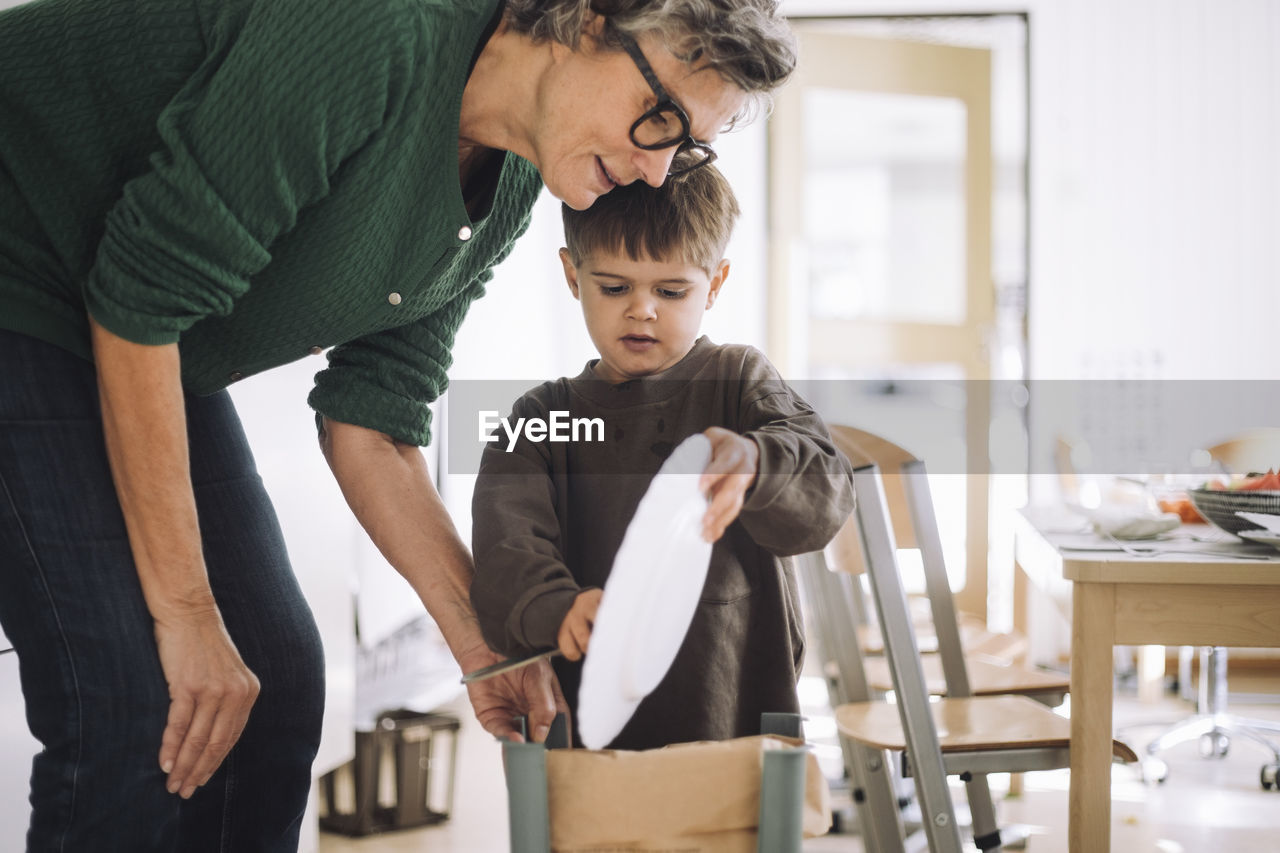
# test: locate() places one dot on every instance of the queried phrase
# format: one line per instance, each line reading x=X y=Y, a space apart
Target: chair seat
x=985 y=678
x=975 y=723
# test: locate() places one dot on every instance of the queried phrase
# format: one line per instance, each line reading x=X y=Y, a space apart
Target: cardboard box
x=687 y=798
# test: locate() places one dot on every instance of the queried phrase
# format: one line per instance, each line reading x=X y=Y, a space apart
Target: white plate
x=1270 y=522
x=1266 y=537
x=650 y=596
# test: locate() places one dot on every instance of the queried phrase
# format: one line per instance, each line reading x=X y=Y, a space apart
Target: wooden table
x=1120 y=599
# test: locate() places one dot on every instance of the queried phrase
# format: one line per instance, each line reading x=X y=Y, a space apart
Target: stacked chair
x=991 y=659
x=962 y=733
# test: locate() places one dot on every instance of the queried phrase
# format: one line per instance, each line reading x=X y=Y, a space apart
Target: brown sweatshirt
x=548 y=519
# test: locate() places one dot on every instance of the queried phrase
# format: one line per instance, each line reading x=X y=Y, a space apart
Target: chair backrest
x=864 y=448
x=937 y=584
x=1255 y=450
x=909 y=503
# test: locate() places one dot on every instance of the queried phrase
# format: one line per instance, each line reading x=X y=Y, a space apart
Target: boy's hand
x=575 y=630
x=731 y=471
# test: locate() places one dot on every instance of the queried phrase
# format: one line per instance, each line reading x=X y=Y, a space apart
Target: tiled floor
x=1206 y=806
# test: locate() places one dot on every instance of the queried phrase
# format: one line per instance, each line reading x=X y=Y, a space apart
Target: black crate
x=402 y=776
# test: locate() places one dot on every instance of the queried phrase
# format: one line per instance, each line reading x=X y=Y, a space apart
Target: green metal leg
x=782 y=801
x=526 y=768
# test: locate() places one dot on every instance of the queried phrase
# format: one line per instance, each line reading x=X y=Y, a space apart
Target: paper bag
x=688 y=798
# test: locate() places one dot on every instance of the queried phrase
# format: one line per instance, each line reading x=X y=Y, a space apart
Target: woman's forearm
x=144 y=424
x=211 y=691
x=389 y=488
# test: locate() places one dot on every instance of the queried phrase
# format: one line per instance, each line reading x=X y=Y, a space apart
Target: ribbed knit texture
x=252 y=179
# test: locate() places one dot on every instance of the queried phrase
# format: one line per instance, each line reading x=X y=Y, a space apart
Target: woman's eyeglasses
x=665 y=124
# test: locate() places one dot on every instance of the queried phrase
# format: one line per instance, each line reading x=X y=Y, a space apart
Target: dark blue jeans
x=70 y=601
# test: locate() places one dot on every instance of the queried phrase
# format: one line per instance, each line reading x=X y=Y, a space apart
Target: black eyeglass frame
x=685 y=141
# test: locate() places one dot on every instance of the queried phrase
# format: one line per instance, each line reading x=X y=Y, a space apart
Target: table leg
x=1092 y=666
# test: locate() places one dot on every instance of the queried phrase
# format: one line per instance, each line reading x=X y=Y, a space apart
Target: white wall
x=1155 y=185
x=1156 y=129
x=1155 y=193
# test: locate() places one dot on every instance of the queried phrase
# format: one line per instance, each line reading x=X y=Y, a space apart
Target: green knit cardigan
x=257 y=180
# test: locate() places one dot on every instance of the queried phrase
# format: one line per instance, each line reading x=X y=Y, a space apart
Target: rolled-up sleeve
x=387 y=381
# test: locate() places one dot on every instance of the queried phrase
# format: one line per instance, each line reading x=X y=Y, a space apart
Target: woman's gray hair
x=745 y=41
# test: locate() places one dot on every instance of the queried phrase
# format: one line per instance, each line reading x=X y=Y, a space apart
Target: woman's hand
x=575 y=630
x=730 y=473
x=531 y=691
x=211 y=692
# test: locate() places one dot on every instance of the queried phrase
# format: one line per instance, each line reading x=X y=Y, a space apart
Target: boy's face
x=643 y=316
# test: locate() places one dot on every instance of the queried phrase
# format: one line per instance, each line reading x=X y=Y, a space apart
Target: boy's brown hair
x=689 y=218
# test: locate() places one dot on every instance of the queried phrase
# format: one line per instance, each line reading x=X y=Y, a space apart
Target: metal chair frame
x=875 y=800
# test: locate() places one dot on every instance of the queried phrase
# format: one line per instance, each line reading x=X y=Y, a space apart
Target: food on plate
x=1182 y=507
x=1269 y=481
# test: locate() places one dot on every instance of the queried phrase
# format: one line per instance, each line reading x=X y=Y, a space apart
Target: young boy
x=548 y=517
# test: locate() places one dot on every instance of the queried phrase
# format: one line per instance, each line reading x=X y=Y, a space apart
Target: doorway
x=898 y=255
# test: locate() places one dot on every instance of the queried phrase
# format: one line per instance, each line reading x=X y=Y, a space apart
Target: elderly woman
x=193 y=191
